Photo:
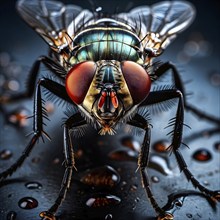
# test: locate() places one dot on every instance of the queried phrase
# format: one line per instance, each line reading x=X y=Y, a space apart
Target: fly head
x=107 y=92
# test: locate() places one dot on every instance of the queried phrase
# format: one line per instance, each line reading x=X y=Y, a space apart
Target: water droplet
x=56 y=161
x=155 y=179
x=105 y=176
x=28 y=203
x=47 y=215
x=19 y=118
x=134 y=207
x=217 y=146
x=5 y=154
x=179 y=203
x=11 y=215
x=33 y=185
x=108 y=217
x=175 y=201
x=206 y=183
x=124 y=183
x=137 y=199
x=189 y=215
x=13 y=85
x=202 y=155
x=102 y=201
x=133 y=188
x=123 y=155
x=131 y=143
x=161 y=146
x=160 y=164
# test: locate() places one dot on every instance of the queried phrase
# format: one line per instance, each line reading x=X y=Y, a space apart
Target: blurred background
x=112 y=159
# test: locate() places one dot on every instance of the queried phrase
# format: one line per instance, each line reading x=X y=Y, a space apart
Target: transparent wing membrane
x=159 y=24
x=52 y=19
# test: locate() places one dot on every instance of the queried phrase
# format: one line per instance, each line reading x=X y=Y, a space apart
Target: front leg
x=72 y=123
x=161 y=70
x=38 y=116
x=139 y=121
x=178 y=122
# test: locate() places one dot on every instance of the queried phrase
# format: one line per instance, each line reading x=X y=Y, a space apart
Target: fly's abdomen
x=107 y=43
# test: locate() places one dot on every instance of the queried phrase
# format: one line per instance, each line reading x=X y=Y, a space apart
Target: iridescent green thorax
x=107 y=43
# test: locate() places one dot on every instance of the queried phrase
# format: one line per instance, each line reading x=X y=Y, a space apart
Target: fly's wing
x=55 y=22
x=159 y=24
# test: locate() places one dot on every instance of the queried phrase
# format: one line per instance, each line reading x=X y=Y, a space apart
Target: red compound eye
x=114 y=99
x=137 y=79
x=78 y=80
x=102 y=99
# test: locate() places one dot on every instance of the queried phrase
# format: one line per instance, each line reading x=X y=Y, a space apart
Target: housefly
x=105 y=69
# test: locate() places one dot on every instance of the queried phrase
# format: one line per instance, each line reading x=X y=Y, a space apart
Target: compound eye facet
x=78 y=80
x=137 y=79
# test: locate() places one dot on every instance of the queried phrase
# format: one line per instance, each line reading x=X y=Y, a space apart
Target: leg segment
x=37 y=132
x=159 y=96
x=73 y=122
x=161 y=70
x=183 y=167
x=139 y=121
x=39 y=115
x=21 y=159
x=50 y=64
x=177 y=121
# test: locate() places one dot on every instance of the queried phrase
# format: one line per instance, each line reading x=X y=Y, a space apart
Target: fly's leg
x=164 y=95
x=139 y=121
x=73 y=122
x=21 y=159
x=161 y=70
x=49 y=63
x=37 y=132
x=215 y=195
x=38 y=116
